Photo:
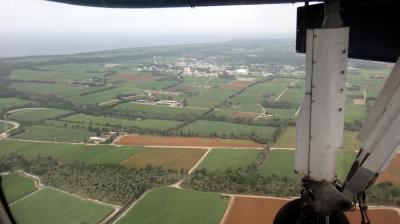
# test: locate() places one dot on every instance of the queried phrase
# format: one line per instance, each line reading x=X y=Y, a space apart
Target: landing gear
x=293 y=213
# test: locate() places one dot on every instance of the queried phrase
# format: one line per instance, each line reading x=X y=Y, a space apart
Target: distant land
x=28 y=44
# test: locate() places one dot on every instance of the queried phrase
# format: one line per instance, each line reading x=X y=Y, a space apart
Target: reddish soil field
x=132 y=77
x=392 y=173
x=166 y=158
x=249 y=115
x=237 y=84
x=185 y=141
x=253 y=210
x=263 y=210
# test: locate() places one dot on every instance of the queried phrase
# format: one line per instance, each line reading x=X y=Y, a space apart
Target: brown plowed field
x=263 y=210
x=237 y=84
x=132 y=77
x=185 y=141
x=166 y=158
x=392 y=173
x=248 y=115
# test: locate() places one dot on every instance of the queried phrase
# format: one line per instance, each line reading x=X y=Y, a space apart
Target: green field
x=281 y=113
x=343 y=163
x=58 y=89
x=5 y=126
x=172 y=206
x=110 y=121
x=227 y=130
x=288 y=140
x=57 y=134
x=163 y=110
x=222 y=159
x=52 y=206
x=12 y=102
x=355 y=113
x=16 y=186
x=280 y=163
x=49 y=75
x=38 y=114
x=69 y=152
x=210 y=97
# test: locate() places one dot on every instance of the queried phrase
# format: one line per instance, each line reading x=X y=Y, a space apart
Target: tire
x=291 y=213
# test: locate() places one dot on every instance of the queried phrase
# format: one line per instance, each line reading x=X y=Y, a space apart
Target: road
x=6 y=133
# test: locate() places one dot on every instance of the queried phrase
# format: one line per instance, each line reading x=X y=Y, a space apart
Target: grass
x=52 y=206
x=94 y=154
x=227 y=130
x=281 y=113
x=170 y=158
x=5 y=126
x=280 y=163
x=355 y=113
x=38 y=114
x=210 y=97
x=164 y=110
x=59 y=89
x=52 y=75
x=110 y=121
x=343 y=163
x=287 y=139
x=16 y=186
x=12 y=102
x=222 y=159
x=57 y=134
x=176 y=206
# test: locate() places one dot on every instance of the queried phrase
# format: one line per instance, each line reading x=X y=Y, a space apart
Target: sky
x=52 y=23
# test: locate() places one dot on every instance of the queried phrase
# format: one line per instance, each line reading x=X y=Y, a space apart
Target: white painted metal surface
x=381 y=133
x=321 y=118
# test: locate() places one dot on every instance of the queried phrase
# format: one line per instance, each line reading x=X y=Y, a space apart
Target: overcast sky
x=23 y=24
x=44 y=16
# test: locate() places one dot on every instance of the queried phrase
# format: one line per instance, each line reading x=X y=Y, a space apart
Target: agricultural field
x=38 y=114
x=171 y=206
x=284 y=114
x=53 y=206
x=56 y=134
x=254 y=210
x=16 y=186
x=263 y=210
x=288 y=140
x=227 y=130
x=12 y=102
x=185 y=141
x=94 y=154
x=280 y=162
x=391 y=174
x=4 y=126
x=52 y=75
x=343 y=163
x=210 y=97
x=57 y=89
x=163 y=110
x=222 y=159
x=355 y=113
x=117 y=122
x=167 y=158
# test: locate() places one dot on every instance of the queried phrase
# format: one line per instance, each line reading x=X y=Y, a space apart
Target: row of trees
x=110 y=183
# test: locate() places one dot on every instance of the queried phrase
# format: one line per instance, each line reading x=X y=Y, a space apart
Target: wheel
x=291 y=213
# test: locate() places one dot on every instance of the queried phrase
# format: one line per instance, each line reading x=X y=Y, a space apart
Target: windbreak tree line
x=109 y=183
